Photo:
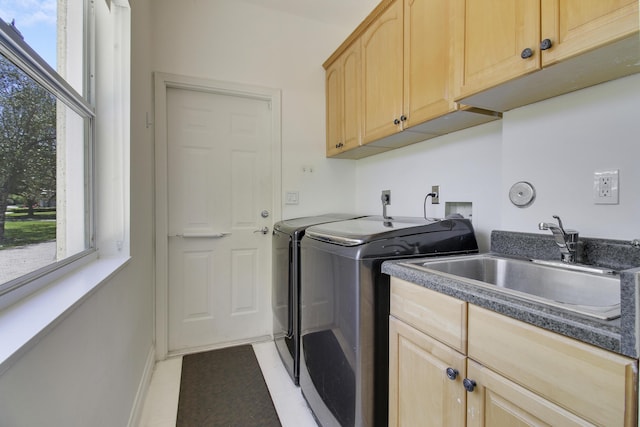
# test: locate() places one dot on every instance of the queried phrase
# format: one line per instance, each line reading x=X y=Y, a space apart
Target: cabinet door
x=428 y=43
x=334 y=94
x=575 y=26
x=382 y=74
x=352 y=123
x=420 y=393
x=594 y=383
x=492 y=39
x=496 y=401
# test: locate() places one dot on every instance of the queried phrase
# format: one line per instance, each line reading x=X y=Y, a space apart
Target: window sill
x=26 y=322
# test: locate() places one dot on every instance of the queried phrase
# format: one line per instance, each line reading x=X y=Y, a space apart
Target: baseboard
x=143 y=388
x=191 y=350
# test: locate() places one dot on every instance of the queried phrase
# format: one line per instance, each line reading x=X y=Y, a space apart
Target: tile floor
x=161 y=404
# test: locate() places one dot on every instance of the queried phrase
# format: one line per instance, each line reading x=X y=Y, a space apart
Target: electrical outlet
x=605 y=187
x=435 y=200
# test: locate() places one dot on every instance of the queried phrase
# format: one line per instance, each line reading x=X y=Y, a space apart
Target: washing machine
x=344 y=358
x=287 y=235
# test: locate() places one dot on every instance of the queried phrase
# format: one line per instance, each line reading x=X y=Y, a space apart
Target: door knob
x=264 y=214
x=526 y=53
x=263 y=230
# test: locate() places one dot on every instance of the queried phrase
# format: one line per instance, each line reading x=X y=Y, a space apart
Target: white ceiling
x=339 y=12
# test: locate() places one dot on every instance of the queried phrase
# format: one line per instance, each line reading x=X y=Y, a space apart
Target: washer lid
x=363 y=230
x=293 y=225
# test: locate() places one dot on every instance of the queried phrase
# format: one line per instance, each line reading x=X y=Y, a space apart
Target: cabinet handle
x=452 y=374
x=545 y=44
x=468 y=384
x=403 y=118
x=526 y=53
x=339 y=145
x=396 y=122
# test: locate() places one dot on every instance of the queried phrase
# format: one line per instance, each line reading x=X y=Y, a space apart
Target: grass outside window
x=28 y=232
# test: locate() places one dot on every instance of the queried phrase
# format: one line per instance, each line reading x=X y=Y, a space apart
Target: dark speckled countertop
x=618 y=335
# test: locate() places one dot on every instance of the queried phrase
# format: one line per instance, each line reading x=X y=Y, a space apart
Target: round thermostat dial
x=522 y=194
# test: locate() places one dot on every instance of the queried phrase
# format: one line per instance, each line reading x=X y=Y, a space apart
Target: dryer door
x=282 y=298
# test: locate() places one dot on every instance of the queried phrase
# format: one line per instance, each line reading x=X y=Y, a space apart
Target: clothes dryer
x=287 y=235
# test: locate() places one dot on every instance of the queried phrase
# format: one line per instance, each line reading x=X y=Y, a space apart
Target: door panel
x=428 y=39
x=419 y=391
x=382 y=65
x=575 y=26
x=352 y=98
x=496 y=401
x=243 y=191
x=244 y=293
x=495 y=33
x=196 y=277
x=219 y=181
x=334 y=94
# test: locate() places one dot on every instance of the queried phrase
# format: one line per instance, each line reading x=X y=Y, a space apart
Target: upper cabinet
x=496 y=36
x=407 y=78
x=343 y=102
x=501 y=46
x=571 y=27
x=382 y=61
x=429 y=72
x=417 y=69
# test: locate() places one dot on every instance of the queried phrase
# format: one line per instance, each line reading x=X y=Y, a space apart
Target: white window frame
x=14 y=48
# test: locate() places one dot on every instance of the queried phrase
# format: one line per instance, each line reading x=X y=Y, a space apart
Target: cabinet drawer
x=440 y=316
x=593 y=383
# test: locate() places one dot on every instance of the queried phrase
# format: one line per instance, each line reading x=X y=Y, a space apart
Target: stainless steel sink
x=589 y=293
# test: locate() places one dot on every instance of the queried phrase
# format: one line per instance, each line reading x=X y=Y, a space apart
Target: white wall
x=86 y=371
x=556 y=145
x=466 y=166
x=241 y=42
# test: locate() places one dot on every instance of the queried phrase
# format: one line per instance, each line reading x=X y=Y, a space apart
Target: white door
x=219 y=196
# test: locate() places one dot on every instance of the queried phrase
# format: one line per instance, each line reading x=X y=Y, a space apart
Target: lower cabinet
x=496 y=401
x=595 y=384
x=499 y=371
x=419 y=391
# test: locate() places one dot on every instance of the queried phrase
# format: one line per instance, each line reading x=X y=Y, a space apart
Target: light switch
x=292 y=197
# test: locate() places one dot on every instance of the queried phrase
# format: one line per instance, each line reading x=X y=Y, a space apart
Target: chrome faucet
x=567 y=240
x=386 y=201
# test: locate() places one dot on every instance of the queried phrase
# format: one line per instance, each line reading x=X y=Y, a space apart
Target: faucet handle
x=559 y=222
